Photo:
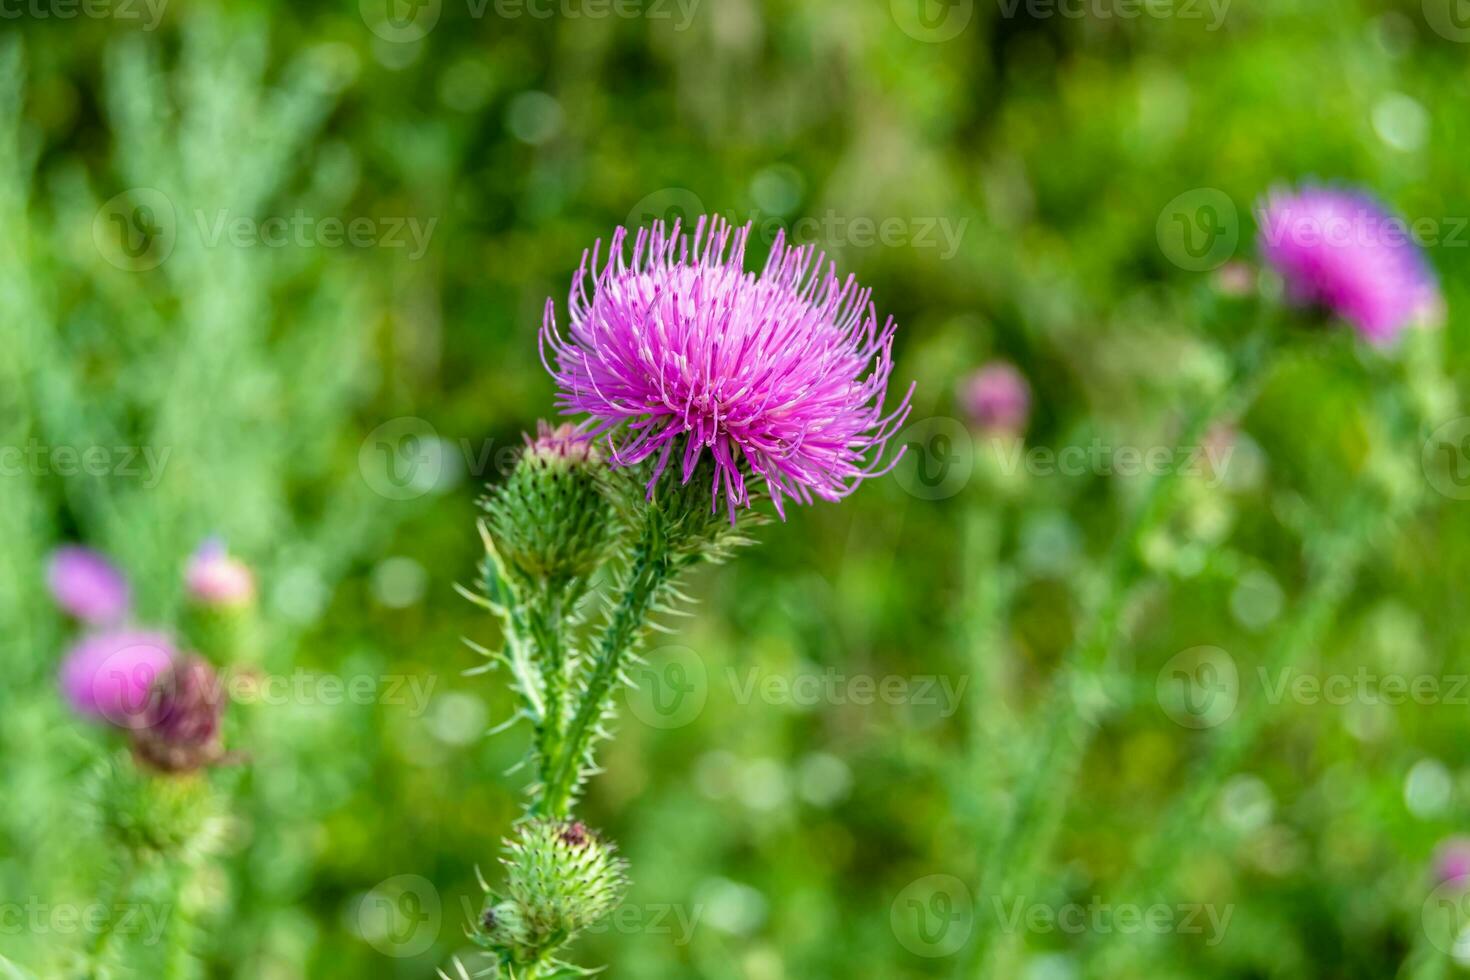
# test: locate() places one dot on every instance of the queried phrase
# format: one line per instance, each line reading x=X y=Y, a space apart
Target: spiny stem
x=546 y=622
x=649 y=572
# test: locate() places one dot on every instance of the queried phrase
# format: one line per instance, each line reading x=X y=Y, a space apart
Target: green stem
x=115 y=893
x=1042 y=798
x=649 y=572
x=545 y=622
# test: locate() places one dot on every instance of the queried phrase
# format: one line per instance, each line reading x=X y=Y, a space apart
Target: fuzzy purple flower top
x=87 y=585
x=1340 y=249
x=678 y=350
x=110 y=675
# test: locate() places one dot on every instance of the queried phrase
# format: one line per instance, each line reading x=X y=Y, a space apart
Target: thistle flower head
x=682 y=354
x=551 y=519
x=1341 y=250
x=180 y=729
x=87 y=585
x=215 y=578
x=997 y=398
x=111 y=675
x=561 y=878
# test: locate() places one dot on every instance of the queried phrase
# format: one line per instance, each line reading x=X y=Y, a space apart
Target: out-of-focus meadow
x=274 y=272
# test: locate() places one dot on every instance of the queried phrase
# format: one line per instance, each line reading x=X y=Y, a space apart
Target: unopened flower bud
x=562 y=878
x=550 y=519
x=216 y=578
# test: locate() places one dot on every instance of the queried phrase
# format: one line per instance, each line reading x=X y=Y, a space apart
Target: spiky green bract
x=550 y=519
x=151 y=815
x=667 y=532
x=561 y=878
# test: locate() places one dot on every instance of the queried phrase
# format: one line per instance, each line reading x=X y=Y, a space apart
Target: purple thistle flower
x=87 y=585
x=1340 y=249
x=781 y=375
x=110 y=675
x=997 y=398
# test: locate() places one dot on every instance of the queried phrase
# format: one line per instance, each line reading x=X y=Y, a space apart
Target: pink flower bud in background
x=87 y=585
x=1235 y=279
x=1452 y=861
x=997 y=398
x=110 y=675
x=215 y=578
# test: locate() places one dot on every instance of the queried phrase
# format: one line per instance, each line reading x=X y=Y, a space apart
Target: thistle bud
x=180 y=729
x=561 y=878
x=550 y=519
x=220 y=618
x=217 y=578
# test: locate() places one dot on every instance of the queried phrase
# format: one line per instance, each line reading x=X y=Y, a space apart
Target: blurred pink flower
x=110 y=675
x=87 y=585
x=1340 y=249
x=997 y=398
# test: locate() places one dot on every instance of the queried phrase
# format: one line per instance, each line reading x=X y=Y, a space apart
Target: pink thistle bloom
x=1343 y=251
x=997 y=398
x=87 y=585
x=780 y=376
x=111 y=675
x=215 y=578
